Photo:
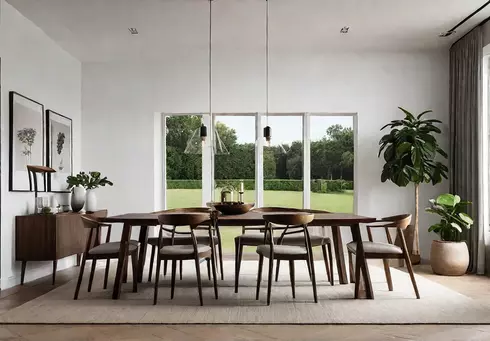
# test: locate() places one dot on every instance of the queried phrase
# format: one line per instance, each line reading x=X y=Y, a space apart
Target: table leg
x=143 y=239
x=361 y=261
x=339 y=254
x=123 y=254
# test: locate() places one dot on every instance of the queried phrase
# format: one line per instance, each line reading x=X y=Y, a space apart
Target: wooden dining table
x=252 y=218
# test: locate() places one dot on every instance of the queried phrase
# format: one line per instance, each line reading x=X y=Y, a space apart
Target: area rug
x=438 y=304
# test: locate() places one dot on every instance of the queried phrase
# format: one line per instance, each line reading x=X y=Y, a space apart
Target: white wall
x=119 y=100
x=33 y=65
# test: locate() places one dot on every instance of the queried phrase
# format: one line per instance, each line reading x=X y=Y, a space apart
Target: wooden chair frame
x=308 y=256
x=400 y=223
x=187 y=220
x=93 y=240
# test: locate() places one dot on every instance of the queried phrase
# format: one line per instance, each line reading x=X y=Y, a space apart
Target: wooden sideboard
x=50 y=237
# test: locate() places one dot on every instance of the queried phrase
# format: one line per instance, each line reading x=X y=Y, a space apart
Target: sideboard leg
x=23 y=272
x=79 y=256
x=55 y=265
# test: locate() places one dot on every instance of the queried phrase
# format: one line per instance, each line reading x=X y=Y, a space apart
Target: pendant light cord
x=267 y=62
x=210 y=62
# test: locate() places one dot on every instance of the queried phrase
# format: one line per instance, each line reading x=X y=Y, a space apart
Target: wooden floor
x=473 y=286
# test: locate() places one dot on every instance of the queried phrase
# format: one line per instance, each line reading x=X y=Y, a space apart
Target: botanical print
x=27 y=142
x=60 y=149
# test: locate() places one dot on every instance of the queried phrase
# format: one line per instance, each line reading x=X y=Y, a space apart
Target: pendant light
x=267 y=129
x=198 y=139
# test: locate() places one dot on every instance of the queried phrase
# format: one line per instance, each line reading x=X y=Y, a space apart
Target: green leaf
x=466 y=218
x=447 y=199
x=423 y=113
x=403 y=148
x=408 y=114
x=457 y=227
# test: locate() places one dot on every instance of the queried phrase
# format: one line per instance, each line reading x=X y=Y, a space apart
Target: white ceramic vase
x=91 y=201
x=77 y=199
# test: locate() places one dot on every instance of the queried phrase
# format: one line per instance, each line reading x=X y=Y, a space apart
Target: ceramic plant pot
x=77 y=198
x=91 y=201
x=449 y=258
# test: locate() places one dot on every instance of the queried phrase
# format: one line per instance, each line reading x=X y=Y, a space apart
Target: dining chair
x=95 y=251
x=195 y=251
x=384 y=251
x=178 y=238
x=292 y=223
x=256 y=239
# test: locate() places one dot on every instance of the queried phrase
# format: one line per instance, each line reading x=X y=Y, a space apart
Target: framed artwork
x=26 y=139
x=59 y=148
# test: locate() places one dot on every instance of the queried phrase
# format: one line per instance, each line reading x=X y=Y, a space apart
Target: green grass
x=334 y=202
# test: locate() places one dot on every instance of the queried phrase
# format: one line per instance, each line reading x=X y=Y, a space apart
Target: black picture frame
x=54 y=159
x=22 y=111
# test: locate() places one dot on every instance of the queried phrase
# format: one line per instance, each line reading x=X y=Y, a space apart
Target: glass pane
x=237 y=133
x=184 y=171
x=283 y=162
x=332 y=163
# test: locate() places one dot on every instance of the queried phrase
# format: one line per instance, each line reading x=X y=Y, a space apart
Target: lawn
x=334 y=202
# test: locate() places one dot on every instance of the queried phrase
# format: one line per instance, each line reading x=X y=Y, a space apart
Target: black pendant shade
x=267 y=133
x=203 y=132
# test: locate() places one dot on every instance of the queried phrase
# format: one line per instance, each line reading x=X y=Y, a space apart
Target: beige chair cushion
x=265 y=250
x=251 y=239
x=373 y=247
x=175 y=250
x=299 y=240
x=182 y=240
x=112 y=247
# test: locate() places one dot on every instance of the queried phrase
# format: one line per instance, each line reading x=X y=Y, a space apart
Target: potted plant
x=410 y=151
x=449 y=256
x=84 y=186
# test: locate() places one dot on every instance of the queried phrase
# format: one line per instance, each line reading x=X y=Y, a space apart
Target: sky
x=285 y=129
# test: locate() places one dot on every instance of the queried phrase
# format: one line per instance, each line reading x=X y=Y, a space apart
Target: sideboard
x=50 y=237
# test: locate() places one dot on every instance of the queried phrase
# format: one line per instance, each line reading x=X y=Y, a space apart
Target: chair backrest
x=184 y=210
x=400 y=221
x=183 y=218
x=93 y=238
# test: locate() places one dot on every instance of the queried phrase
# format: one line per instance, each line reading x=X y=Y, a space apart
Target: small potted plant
x=449 y=256
x=84 y=186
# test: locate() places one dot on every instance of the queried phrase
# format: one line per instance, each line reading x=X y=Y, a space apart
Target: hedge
x=317 y=186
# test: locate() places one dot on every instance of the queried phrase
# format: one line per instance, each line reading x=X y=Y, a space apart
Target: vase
x=77 y=199
x=90 y=201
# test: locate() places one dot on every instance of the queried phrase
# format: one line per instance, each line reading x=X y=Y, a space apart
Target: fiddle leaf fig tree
x=411 y=154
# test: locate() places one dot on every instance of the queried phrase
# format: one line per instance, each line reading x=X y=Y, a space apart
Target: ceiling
x=97 y=30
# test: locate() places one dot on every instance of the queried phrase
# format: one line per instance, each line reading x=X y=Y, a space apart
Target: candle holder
x=240 y=197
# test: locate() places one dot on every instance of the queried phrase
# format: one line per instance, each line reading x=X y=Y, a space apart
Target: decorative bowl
x=231 y=207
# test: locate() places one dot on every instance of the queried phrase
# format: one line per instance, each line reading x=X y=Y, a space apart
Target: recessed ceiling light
x=344 y=30
x=133 y=30
x=446 y=34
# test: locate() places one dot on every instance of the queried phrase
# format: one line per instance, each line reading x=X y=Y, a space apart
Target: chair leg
x=269 y=281
x=106 y=274
x=351 y=269
x=220 y=248
x=153 y=247
x=291 y=277
x=278 y=263
x=386 y=264
x=330 y=260
x=259 y=276
x=80 y=276
x=325 y=260
x=165 y=262
x=215 y=277
x=180 y=269
x=309 y=268
x=134 y=262
x=313 y=277
x=92 y=272
x=157 y=277
x=199 y=282
x=238 y=261
x=357 y=280
x=172 y=286
x=209 y=268
x=408 y=263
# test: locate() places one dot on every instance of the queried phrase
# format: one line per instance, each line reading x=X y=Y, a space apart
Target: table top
x=249 y=218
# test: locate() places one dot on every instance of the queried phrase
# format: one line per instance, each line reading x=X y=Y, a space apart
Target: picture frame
x=59 y=149
x=26 y=140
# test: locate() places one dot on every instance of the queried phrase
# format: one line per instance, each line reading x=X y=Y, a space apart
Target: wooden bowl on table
x=231 y=207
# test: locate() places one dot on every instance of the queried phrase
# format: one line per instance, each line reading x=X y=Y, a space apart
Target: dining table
x=251 y=218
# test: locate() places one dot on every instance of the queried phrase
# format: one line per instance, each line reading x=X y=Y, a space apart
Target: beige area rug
x=438 y=304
